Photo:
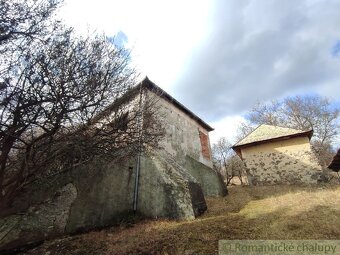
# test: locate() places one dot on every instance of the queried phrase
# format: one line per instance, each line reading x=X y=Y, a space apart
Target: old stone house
x=335 y=164
x=183 y=165
x=276 y=155
x=170 y=182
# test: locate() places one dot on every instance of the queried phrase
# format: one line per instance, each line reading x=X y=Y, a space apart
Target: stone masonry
x=275 y=155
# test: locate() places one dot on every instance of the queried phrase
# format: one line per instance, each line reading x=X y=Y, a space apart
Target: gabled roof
x=146 y=83
x=153 y=87
x=335 y=164
x=268 y=133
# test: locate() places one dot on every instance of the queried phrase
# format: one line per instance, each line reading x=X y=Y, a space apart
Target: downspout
x=139 y=149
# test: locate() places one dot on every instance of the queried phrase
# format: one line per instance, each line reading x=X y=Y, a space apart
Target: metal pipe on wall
x=139 y=152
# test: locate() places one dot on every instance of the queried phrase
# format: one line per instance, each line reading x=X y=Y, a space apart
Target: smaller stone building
x=335 y=164
x=275 y=155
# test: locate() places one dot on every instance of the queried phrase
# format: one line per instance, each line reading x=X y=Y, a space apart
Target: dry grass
x=272 y=212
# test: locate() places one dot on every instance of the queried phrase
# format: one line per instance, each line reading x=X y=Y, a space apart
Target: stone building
x=276 y=155
x=183 y=165
x=172 y=182
x=335 y=164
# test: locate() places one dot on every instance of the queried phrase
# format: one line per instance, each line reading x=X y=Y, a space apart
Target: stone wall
x=96 y=194
x=100 y=194
x=168 y=190
x=211 y=181
x=289 y=161
x=188 y=143
x=184 y=136
x=173 y=182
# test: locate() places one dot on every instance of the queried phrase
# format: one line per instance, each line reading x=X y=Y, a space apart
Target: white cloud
x=219 y=57
x=225 y=127
x=162 y=34
x=263 y=50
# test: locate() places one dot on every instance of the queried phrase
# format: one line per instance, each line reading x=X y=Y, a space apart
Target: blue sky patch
x=336 y=49
x=119 y=39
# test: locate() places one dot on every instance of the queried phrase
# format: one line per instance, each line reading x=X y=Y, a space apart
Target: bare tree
x=24 y=25
x=266 y=113
x=237 y=167
x=313 y=112
x=63 y=99
x=244 y=128
x=226 y=161
x=26 y=20
x=300 y=112
x=221 y=152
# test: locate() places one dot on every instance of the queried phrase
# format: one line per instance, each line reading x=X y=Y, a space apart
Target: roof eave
x=149 y=84
x=308 y=133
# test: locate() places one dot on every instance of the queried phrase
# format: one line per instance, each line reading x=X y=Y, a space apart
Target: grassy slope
x=275 y=212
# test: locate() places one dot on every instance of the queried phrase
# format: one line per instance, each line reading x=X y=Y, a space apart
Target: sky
x=219 y=58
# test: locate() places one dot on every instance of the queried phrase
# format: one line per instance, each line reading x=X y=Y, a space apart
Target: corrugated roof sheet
x=268 y=132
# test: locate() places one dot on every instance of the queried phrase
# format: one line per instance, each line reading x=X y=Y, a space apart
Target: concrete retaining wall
x=101 y=194
x=211 y=182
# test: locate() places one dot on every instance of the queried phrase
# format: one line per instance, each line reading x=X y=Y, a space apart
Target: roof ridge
x=176 y=103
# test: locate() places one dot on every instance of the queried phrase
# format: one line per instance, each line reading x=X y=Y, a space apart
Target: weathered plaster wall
x=100 y=194
x=182 y=134
x=91 y=196
x=211 y=182
x=187 y=143
x=173 y=182
x=289 y=161
x=168 y=190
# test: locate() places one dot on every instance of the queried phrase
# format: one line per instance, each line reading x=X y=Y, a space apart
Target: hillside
x=272 y=212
